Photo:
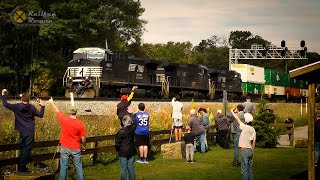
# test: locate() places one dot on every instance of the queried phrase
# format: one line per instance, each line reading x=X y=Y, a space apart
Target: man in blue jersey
x=142 y=132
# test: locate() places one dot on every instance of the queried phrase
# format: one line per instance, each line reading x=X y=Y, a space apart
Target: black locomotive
x=97 y=72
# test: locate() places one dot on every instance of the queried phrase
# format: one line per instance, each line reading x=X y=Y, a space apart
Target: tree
x=266 y=135
x=77 y=24
x=215 y=52
x=179 y=52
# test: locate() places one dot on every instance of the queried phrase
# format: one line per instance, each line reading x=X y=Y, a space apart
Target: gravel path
x=299 y=133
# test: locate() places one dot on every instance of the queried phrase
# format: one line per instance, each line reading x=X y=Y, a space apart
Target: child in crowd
x=189 y=139
x=142 y=132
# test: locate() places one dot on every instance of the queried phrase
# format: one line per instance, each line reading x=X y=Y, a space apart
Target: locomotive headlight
x=108 y=65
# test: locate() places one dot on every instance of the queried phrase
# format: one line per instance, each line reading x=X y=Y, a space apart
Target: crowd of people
x=134 y=133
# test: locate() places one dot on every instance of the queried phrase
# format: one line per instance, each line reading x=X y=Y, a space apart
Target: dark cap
x=141 y=107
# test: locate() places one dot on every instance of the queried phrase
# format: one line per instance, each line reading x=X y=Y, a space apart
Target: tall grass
x=48 y=128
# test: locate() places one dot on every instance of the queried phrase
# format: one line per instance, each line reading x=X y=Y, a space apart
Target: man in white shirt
x=247 y=142
x=177 y=117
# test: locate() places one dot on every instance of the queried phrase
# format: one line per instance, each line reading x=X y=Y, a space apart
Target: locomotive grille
x=84 y=71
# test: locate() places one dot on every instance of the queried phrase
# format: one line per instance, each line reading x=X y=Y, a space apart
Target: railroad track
x=118 y=99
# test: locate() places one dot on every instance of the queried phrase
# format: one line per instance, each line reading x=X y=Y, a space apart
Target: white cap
x=248 y=117
x=219 y=111
x=192 y=111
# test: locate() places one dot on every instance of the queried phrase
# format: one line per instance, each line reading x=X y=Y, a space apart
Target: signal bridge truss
x=259 y=52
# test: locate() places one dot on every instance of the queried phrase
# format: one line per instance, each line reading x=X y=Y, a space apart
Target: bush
x=266 y=135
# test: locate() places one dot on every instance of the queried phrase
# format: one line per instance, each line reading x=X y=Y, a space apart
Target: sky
x=195 y=20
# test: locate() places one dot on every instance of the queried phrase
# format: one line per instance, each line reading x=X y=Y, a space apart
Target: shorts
x=142 y=140
x=177 y=123
x=178 y=127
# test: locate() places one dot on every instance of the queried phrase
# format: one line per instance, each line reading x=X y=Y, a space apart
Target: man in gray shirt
x=236 y=131
x=248 y=105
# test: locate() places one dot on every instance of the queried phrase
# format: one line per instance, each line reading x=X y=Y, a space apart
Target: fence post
x=95 y=155
x=57 y=161
x=17 y=155
x=292 y=136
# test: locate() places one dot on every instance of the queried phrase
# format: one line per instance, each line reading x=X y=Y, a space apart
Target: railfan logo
x=20 y=17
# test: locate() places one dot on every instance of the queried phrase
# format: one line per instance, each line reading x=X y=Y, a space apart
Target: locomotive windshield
x=95 y=55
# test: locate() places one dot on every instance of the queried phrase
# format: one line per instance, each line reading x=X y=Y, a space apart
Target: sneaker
x=188 y=161
x=146 y=161
x=192 y=161
x=235 y=163
x=140 y=161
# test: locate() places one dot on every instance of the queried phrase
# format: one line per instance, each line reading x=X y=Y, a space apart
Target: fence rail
x=93 y=142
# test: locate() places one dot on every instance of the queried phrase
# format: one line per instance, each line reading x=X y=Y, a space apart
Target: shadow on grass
x=301 y=176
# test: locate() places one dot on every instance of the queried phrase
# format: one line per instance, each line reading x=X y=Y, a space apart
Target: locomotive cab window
x=132 y=67
x=95 y=55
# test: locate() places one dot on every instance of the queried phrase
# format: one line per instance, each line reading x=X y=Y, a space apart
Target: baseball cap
x=248 y=117
x=192 y=111
x=73 y=110
x=219 y=111
x=124 y=97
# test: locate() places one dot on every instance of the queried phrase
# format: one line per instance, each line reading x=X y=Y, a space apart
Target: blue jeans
x=26 y=142
x=203 y=146
x=236 y=146
x=127 y=164
x=247 y=164
x=65 y=154
x=317 y=151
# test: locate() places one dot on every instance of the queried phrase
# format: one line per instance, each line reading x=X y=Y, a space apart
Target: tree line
x=38 y=55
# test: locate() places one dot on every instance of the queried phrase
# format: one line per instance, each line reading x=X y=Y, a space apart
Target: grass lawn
x=276 y=163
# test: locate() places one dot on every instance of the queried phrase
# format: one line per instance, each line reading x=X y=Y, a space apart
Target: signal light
x=303 y=51
x=283 y=43
x=302 y=43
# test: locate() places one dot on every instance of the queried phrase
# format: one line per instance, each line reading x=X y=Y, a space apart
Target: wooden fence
x=92 y=142
x=94 y=145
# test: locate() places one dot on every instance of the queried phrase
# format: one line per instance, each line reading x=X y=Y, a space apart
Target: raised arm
x=236 y=116
x=41 y=112
x=4 y=100
x=173 y=101
x=55 y=108
x=132 y=92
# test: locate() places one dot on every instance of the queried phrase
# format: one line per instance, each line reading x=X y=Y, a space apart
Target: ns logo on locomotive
x=97 y=72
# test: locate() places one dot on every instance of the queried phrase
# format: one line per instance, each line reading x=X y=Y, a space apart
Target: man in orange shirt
x=72 y=134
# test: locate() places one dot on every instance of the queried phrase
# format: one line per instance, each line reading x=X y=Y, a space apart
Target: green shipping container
x=251 y=88
x=303 y=84
x=275 y=78
x=294 y=83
